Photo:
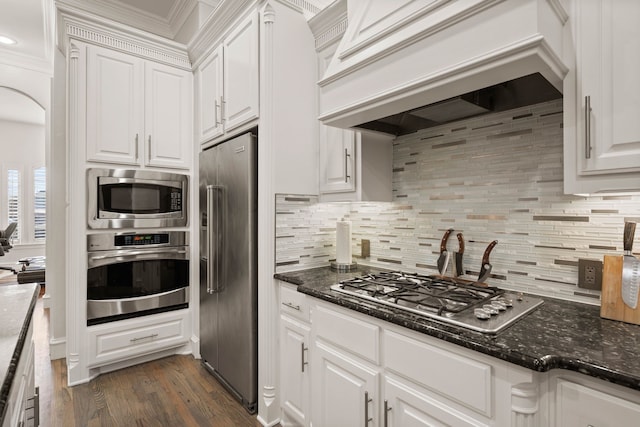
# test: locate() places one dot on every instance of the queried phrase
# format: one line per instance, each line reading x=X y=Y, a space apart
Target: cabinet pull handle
x=346 y=165
x=288 y=304
x=36 y=407
x=587 y=127
x=149 y=150
x=387 y=408
x=223 y=103
x=143 y=338
x=302 y=350
x=367 y=400
x=215 y=113
x=137 y=147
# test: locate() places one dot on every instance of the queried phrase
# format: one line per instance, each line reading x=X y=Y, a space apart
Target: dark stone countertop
x=16 y=310
x=558 y=335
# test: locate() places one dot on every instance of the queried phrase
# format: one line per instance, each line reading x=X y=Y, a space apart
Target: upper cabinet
x=137 y=112
x=602 y=99
x=228 y=92
x=354 y=166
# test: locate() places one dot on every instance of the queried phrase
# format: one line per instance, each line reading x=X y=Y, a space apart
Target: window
x=26 y=203
x=14 y=199
x=40 y=202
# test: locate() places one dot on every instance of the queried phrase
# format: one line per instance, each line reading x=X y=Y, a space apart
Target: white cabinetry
x=345 y=389
x=591 y=403
x=119 y=341
x=294 y=356
x=602 y=99
x=22 y=405
x=369 y=372
x=228 y=81
x=354 y=166
x=137 y=112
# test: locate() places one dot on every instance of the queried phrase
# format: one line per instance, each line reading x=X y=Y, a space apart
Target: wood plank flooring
x=174 y=391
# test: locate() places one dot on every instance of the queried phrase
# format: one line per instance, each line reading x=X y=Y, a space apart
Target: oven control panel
x=140 y=239
x=122 y=241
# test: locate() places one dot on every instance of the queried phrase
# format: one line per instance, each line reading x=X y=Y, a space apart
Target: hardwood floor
x=174 y=391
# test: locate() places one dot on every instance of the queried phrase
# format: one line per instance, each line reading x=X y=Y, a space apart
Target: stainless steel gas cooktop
x=482 y=309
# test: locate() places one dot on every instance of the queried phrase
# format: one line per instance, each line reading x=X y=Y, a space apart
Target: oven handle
x=113 y=257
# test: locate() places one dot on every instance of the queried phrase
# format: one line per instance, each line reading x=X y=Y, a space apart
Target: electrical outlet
x=590 y=274
x=365 y=248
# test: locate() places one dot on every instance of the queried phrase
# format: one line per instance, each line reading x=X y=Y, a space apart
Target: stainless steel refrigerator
x=228 y=265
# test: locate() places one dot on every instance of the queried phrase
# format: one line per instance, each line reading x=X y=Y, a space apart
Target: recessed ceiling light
x=7 y=40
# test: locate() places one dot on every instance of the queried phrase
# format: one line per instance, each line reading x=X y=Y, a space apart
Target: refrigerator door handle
x=213 y=248
x=210 y=254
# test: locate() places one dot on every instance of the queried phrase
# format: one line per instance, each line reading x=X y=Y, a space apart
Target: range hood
x=410 y=64
x=527 y=90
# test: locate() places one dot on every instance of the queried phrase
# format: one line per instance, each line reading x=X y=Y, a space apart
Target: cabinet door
x=114 y=108
x=345 y=391
x=405 y=406
x=210 y=95
x=240 y=102
x=168 y=121
x=608 y=66
x=580 y=406
x=337 y=160
x=294 y=370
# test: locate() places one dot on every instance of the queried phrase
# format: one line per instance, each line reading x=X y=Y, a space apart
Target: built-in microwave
x=129 y=198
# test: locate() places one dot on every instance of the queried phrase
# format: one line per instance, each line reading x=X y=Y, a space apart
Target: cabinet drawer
x=293 y=302
x=112 y=344
x=344 y=330
x=456 y=377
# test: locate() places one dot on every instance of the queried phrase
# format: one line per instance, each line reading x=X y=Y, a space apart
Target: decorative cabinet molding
x=602 y=99
x=124 y=40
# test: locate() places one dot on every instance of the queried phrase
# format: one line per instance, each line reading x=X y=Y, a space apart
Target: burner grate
x=420 y=292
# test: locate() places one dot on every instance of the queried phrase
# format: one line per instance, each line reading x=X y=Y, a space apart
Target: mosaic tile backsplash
x=497 y=176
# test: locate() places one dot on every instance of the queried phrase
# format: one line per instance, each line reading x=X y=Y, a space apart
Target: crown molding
x=330 y=24
x=117 y=11
x=80 y=25
x=216 y=26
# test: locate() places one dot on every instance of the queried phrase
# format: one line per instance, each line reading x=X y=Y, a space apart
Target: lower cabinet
x=23 y=400
x=345 y=390
x=294 y=383
x=117 y=341
x=586 y=402
x=408 y=405
x=343 y=368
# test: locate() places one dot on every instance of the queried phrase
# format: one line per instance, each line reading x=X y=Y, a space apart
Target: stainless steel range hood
x=411 y=64
x=527 y=90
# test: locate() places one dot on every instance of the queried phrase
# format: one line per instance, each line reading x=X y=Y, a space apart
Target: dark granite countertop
x=558 y=335
x=16 y=309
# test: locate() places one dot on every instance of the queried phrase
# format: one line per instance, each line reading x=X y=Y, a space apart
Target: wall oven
x=129 y=198
x=135 y=274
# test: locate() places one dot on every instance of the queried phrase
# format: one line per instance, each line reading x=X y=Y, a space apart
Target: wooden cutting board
x=612 y=307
